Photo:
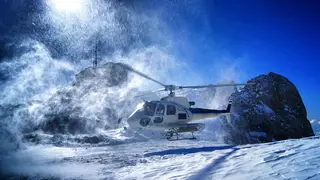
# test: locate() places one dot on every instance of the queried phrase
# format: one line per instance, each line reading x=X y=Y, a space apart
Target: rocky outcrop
x=92 y=102
x=268 y=109
x=85 y=105
x=9 y=139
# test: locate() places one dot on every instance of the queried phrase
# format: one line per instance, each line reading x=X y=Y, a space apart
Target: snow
x=262 y=109
x=286 y=107
x=267 y=109
x=162 y=159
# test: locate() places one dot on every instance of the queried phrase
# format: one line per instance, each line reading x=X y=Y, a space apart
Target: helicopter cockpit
x=149 y=108
x=144 y=113
x=154 y=111
x=154 y=108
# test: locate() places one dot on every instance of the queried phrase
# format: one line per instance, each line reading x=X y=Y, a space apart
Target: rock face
x=94 y=102
x=269 y=109
x=84 y=106
x=8 y=134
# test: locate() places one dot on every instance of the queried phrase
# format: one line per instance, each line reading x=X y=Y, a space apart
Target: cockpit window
x=160 y=110
x=149 y=108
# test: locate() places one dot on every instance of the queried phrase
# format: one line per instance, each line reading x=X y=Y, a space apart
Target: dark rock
x=269 y=109
x=91 y=139
x=9 y=135
x=64 y=111
x=4 y=75
x=9 y=140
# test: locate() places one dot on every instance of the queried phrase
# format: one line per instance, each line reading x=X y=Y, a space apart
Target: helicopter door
x=159 y=114
x=171 y=109
x=171 y=114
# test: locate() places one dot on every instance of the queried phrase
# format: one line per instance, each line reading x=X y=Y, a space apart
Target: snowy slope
x=315 y=126
x=161 y=159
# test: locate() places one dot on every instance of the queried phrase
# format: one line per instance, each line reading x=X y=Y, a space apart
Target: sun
x=67 y=6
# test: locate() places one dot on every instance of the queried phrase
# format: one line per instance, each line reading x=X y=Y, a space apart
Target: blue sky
x=252 y=36
x=259 y=36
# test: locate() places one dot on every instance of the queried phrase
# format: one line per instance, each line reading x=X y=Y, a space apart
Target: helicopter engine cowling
x=190 y=127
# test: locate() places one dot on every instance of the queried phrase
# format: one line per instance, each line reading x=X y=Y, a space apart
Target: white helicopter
x=172 y=115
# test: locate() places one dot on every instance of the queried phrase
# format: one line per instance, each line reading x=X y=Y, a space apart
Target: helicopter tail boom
x=201 y=116
x=200 y=113
x=229 y=107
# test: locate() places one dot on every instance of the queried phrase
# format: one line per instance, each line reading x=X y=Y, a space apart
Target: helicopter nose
x=132 y=121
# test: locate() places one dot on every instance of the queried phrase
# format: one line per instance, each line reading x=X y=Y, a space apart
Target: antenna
x=95 y=60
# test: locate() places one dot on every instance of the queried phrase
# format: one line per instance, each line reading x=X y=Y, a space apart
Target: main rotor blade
x=145 y=94
x=210 y=85
x=140 y=73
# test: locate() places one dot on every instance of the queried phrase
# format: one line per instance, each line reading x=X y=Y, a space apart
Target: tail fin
x=229 y=106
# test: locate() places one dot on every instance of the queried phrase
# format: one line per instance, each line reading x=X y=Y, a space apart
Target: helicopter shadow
x=184 y=151
x=205 y=172
x=209 y=169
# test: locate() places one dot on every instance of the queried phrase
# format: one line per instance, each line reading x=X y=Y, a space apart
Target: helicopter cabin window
x=182 y=116
x=149 y=108
x=158 y=120
x=160 y=110
x=171 y=109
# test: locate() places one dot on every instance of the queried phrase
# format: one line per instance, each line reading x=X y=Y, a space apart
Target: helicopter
x=172 y=115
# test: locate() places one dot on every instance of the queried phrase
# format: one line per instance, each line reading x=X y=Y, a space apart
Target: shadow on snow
x=183 y=151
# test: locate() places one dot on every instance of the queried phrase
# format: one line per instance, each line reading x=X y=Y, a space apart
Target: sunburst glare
x=67 y=6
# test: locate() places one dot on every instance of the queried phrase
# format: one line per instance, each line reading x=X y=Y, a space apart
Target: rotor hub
x=170 y=88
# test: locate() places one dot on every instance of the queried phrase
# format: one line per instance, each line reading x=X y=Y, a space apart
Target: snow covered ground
x=162 y=159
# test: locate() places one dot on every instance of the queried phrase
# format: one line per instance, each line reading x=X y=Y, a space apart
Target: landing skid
x=192 y=138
